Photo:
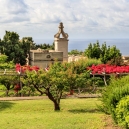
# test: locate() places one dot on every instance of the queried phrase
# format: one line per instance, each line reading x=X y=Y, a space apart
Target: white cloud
x=16 y=6
x=13 y=11
x=81 y=18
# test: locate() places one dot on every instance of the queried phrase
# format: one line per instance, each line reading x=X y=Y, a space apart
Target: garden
x=57 y=82
x=67 y=86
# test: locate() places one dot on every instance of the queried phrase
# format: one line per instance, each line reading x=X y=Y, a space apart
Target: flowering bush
x=108 y=69
x=23 y=69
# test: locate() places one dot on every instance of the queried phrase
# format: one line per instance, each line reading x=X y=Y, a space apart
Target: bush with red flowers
x=22 y=69
x=108 y=69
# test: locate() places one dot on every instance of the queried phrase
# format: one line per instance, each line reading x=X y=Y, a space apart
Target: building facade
x=43 y=58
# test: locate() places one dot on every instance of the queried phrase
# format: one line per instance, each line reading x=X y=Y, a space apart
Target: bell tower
x=61 y=42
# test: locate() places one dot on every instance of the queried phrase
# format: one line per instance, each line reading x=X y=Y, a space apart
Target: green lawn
x=39 y=114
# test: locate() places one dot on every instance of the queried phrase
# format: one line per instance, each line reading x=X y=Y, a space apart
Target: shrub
x=113 y=93
x=122 y=112
x=81 y=65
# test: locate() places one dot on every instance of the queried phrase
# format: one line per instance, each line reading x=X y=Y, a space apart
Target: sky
x=82 y=19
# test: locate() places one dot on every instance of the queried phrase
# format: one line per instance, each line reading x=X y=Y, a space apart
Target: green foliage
x=28 y=91
x=83 y=77
x=8 y=82
x=113 y=93
x=11 y=36
x=3 y=58
x=90 y=62
x=29 y=42
x=75 y=52
x=93 y=51
x=51 y=83
x=58 y=75
x=81 y=65
x=122 y=112
x=4 y=64
x=2 y=87
x=14 y=48
x=45 y=46
x=106 y=54
x=111 y=55
x=59 y=78
x=97 y=81
x=18 y=50
x=11 y=46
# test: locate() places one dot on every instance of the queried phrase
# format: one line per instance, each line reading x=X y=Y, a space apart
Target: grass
x=39 y=114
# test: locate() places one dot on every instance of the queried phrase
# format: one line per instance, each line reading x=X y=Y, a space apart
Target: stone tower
x=61 y=42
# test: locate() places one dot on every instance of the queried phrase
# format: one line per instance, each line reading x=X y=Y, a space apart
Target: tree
x=7 y=81
x=51 y=83
x=52 y=47
x=45 y=46
x=4 y=64
x=75 y=52
x=104 y=53
x=14 y=48
x=59 y=78
x=93 y=51
x=115 y=56
x=104 y=56
x=29 y=42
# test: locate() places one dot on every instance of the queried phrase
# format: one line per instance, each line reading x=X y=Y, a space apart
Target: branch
x=38 y=90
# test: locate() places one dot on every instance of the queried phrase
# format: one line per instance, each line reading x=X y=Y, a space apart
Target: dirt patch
x=109 y=124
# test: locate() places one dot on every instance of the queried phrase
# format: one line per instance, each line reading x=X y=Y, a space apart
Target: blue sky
x=82 y=19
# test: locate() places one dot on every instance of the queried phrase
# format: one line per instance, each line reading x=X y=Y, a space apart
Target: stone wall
x=43 y=58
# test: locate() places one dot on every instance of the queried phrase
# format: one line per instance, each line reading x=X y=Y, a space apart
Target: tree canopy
x=75 y=52
x=4 y=64
x=12 y=47
x=106 y=54
x=50 y=83
x=16 y=49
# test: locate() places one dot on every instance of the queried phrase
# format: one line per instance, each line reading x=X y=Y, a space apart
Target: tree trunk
x=7 y=92
x=7 y=89
x=57 y=106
